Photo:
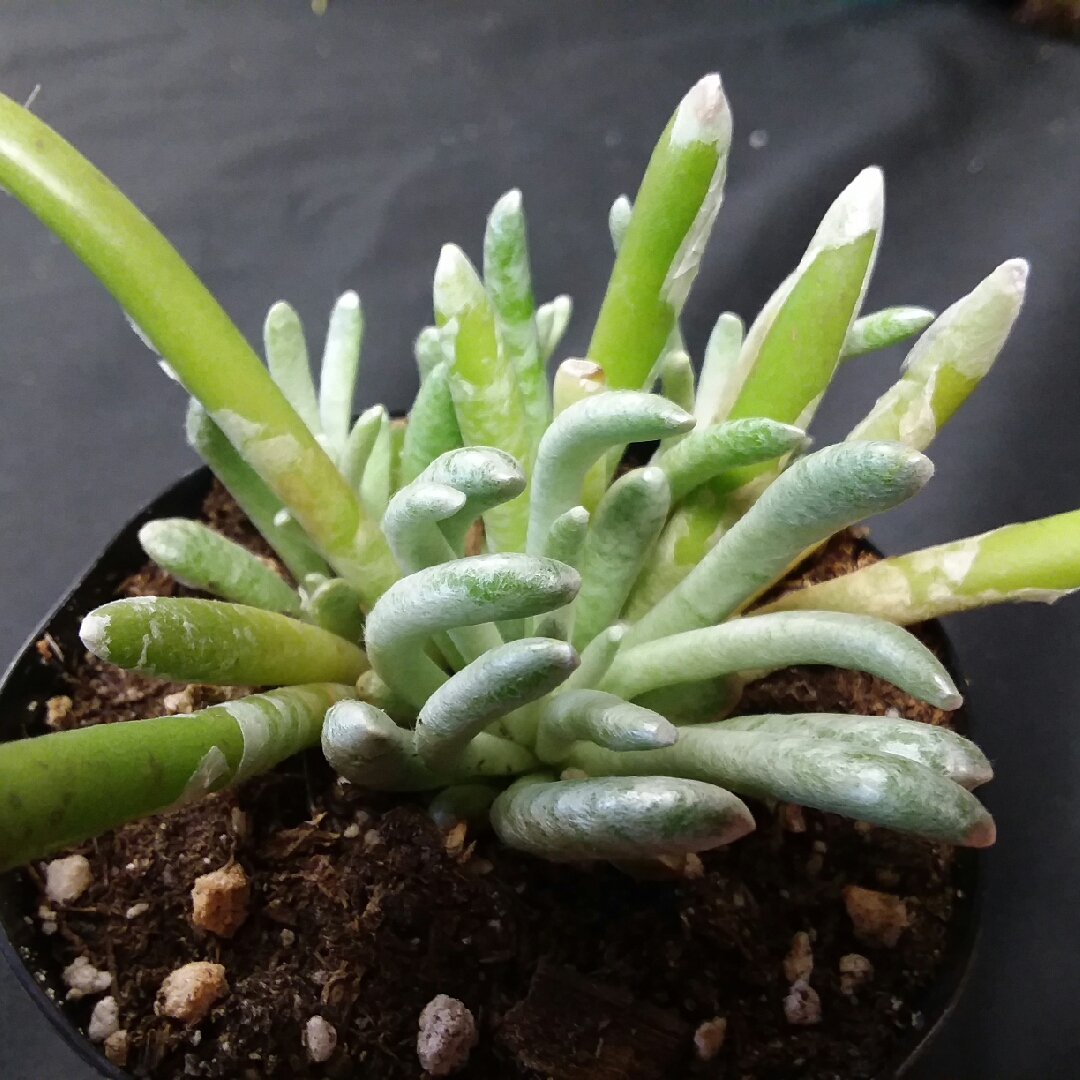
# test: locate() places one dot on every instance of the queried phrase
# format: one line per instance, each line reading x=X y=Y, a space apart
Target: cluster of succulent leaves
x=568 y=667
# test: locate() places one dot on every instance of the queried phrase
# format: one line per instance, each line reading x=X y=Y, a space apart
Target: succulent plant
x=572 y=668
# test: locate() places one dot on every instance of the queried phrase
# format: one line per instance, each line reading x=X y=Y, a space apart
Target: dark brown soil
x=362 y=911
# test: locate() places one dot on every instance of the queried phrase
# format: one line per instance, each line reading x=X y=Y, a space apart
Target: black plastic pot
x=30 y=681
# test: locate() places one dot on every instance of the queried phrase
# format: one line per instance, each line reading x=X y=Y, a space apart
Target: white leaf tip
x=703 y=114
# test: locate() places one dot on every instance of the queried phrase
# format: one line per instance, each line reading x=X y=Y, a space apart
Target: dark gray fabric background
x=292 y=156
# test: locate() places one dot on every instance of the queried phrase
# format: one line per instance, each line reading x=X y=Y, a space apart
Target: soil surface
x=362 y=911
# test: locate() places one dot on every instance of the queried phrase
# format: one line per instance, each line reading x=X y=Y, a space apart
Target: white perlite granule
x=104 y=1020
x=320 y=1038
x=447 y=1034
x=67 y=879
x=82 y=979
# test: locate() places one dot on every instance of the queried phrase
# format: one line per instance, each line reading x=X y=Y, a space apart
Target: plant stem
x=184 y=640
x=673 y=213
x=203 y=559
x=1036 y=560
x=191 y=331
x=62 y=788
x=257 y=501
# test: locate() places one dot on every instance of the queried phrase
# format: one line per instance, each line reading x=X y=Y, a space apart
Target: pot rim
x=182 y=498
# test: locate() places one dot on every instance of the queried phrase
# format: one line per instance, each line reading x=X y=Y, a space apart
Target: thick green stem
x=880 y=329
x=552 y=319
x=932 y=745
x=433 y=428
x=340 y=365
x=495 y=684
x=287 y=358
x=487 y=399
x=363 y=744
x=840 y=778
x=579 y=436
x=604 y=719
x=620 y=537
x=707 y=452
x=62 y=788
x=768 y=642
x=948 y=361
x=206 y=641
x=195 y=336
x=673 y=214
x=482 y=589
x=203 y=559
x=257 y=501
x=634 y=818
x=1037 y=560
x=509 y=284
x=818 y=495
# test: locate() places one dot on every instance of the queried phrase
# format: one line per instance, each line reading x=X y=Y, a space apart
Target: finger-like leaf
x=883 y=328
x=340 y=364
x=601 y=718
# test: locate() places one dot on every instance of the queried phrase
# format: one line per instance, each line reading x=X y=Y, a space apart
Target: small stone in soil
x=854 y=971
x=67 y=879
x=220 y=900
x=792 y=818
x=57 y=710
x=181 y=702
x=802 y=1006
x=116 y=1048
x=709 y=1038
x=82 y=979
x=879 y=918
x=136 y=910
x=104 y=1020
x=320 y=1038
x=447 y=1034
x=799 y=961
x=188 y=993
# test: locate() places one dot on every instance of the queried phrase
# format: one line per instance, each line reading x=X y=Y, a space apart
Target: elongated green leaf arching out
x=883 y=328
x=618 y=818
x=948 y=361
x=339 y=368
x=932 y=745
x=260 y=504
x=487 y=400
x=768 y=642
x=333 y=604
x=601 y=718
x=1036 y=560
x=203 y=559
x=818 y=495
x=487 y=477
x=363 y=744
x=206 y=641
x=673 y=214
x=464 y=593
x=411 y=524
x=677 y=379
x=191 y=331
x=883 y=789
x=498 y=682
x=509 y=284
x=579 y=436
x=60 y=789
x=552 y=319
x=360 y=443
x=718 y=368
x=287 y=359
x=709 y=451
x=433 y=428
x=620 y=536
